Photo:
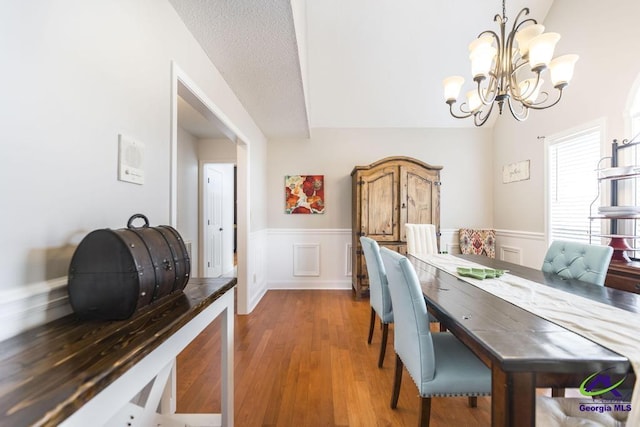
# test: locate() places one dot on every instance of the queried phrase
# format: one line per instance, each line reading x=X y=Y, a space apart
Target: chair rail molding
x=530 y=235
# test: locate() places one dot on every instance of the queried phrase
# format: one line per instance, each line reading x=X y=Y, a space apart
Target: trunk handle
x=136 y=216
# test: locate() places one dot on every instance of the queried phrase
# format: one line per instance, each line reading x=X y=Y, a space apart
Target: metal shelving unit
x=618 y=241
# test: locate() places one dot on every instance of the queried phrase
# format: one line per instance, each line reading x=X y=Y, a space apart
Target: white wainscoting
x=521 y=247
x=306 y=259
x=309 y=259
x=348 y=254
x=257 y=271
x=449 y=240
x=328 y=265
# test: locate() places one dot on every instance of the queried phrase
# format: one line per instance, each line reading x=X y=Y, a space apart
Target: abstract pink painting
x=304 y=194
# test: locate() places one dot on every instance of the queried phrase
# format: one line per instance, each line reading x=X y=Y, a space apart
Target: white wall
x=77 y=74
x=604 y=35
x=465 y=155
x=466 y=192
x=217 y=151
x=188 y=194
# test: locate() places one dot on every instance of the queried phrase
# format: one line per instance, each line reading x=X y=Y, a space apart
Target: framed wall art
x=304 y=194
x=514 y=172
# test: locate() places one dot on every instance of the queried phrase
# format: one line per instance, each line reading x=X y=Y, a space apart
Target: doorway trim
x=182 y=85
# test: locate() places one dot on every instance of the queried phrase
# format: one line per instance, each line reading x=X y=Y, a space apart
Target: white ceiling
x=366 y=63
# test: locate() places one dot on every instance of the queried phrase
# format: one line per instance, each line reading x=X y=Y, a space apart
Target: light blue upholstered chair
x=572 y=260
x=379 y=297
x=439 y=364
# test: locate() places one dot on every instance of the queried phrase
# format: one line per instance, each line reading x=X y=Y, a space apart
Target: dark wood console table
x=72 y=372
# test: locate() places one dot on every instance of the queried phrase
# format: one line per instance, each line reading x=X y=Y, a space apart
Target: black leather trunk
x=113 y=273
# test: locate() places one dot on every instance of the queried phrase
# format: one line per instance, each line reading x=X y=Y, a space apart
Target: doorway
x=185 y=88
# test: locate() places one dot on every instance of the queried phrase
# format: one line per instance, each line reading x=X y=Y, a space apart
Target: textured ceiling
x=253 y=45
x=366 y=63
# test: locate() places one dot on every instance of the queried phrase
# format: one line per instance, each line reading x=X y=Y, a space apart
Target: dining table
x=525 y=351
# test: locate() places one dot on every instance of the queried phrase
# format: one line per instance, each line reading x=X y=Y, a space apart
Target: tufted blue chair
x=572 y=260
x=439 y=364
x=379 y=297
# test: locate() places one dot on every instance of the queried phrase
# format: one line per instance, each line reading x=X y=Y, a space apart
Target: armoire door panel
x=380 y=204
x=419 y=196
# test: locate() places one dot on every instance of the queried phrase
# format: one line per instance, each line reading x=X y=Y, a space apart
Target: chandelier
x=508 y=69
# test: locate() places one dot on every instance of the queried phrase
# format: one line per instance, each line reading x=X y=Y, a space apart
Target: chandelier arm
x=494 y=75
x=517 y=67
x=521 y=97
x=517 y=25
x=490 y=33
x=479 y=120
x=524 y=12
x=537 y=106
x=545 y=97
x=519 y=116
x=491 y=89
x=509 y=66
x=464 y=115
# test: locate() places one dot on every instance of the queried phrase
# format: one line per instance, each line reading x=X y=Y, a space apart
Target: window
x=634 y=114
x=573 y=185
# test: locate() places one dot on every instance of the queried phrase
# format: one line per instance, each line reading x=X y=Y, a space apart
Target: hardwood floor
x=302 y=359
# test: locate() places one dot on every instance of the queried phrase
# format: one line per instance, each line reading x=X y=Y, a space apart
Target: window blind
x=573 y=186
x=635 y=131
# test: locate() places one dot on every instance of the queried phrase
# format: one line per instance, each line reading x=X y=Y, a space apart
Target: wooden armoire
x=388 y=194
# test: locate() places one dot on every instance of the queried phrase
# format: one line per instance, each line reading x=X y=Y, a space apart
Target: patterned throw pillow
x=478 y=242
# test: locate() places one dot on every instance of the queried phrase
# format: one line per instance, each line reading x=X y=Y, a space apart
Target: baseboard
x=257 y=297
x=314 y=285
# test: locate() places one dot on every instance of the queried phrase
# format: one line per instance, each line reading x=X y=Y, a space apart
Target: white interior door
x=214 y=181
x=217 y=233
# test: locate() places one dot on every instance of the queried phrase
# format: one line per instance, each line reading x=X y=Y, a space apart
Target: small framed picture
x=304 y=194
x=513 y=172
